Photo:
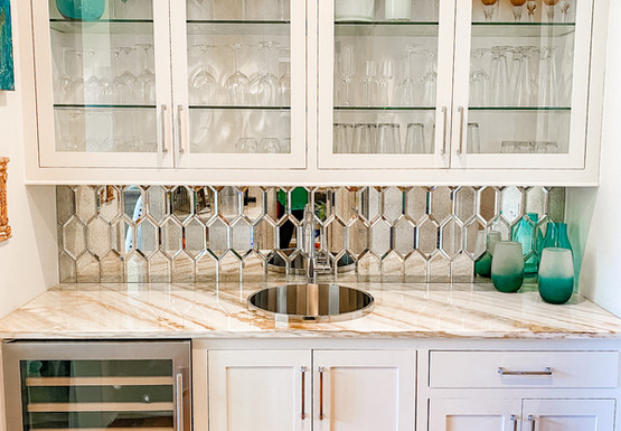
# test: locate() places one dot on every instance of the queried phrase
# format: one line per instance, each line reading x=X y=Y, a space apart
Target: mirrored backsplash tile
x=208 y=234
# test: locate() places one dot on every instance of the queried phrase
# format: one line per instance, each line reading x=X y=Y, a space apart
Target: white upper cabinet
x=325 y=92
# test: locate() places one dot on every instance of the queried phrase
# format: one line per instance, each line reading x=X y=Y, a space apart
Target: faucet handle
x=323 y=263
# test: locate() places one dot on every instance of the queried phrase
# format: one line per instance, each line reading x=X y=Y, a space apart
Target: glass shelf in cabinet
x=520 y=108
x=104 y=26
x=102 y=106
x=239 y=28
x=240 y=108
x=387 y=28
x=385 y=108
x=521 y=29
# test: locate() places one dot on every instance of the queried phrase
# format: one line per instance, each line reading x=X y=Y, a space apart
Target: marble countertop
x=207 y=310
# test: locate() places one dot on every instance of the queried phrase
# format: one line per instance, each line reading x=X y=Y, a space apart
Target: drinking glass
x=388 y=139
x=430 y=79
x=546 y=88
x=489 y=8
x=243 y=9
x=479 y=79
x=265 y=88
x=120 y=12
x=236 y=85
x=415 y=139
x=65 y=81
x=121 y=92
x=474 y=138
x=78 y=80
x=285 y=146
x=146 y=79
x=347 y=68
x=531 y=7
x=93 y=88
x=371 y=83
x=128 y=78
x=500 y=76
x=405 y=92
x=285 y=81
x=364 y=138
x=556 y=275
x=342 y=138
x=508 y=267
x=246 y=145
x=550 y=8
x=204 y=87
x=269 y=145
x=201 y=9
x=565 y=6
x=386 y=74
x=518 y=9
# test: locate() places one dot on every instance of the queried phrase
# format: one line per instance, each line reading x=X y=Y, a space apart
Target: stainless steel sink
x=311 y=302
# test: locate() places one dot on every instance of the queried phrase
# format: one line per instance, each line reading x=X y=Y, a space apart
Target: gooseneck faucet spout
x=309 y=243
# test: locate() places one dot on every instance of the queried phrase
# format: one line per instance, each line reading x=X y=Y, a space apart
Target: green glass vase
x=556 y=275
x=508 y=267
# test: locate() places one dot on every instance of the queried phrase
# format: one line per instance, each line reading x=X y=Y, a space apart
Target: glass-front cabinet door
x=385 y=83
x=521 y=84
x=103 y=83
x=239 y=73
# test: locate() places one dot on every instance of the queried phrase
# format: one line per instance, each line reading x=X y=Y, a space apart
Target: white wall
x=28 y=262
x=594 y=215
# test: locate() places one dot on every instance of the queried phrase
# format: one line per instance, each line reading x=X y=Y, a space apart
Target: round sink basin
x=311 y=302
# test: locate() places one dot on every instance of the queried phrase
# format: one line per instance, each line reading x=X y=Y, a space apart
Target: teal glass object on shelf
x=508 y=267
x=524 y=232
x=556 y=236
x=83 y=10
x=556 y=275
x=483 y=266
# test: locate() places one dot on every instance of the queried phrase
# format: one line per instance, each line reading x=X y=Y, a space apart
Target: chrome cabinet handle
x=181 y=129
x=303 y=371
x=515 y=422
x=531 y=419
x=546 y=372
x=179 y=402
x=445 y=113
x=164 y=130
x=461 y=130
x=321 y=393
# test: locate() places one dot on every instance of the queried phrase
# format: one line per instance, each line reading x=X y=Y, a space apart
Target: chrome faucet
x=308 y=241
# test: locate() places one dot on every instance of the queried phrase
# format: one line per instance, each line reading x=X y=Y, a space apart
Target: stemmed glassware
x=123 y=11
x=430 y=79
x=500 y=76
x=371 y=83
x=146 y=79
x=547 y=90
x=121 y=92
x=265 y=88
x=565 y=6
x=405 y=92
x=236 y=85
x=203 y=83
x=93 y=88
x=347 y=68
x=518 y=9
x=127 y=76
x=550 y=7
x=385 y=75
x=65 y=81
x=285 y=82
x=531 y=7
x=203 y=9
x=479 y=79
x=489 y=7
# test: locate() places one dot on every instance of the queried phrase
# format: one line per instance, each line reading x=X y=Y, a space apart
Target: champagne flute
x=531 y=6
x=489 y=7
x=565 y=6
x=347 y=68
x=385 y=74
x=237 y=84
x=518 y=9
x=550 y=6
x=146 y=79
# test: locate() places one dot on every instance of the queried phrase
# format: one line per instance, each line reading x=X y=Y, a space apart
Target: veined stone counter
x=219 y=311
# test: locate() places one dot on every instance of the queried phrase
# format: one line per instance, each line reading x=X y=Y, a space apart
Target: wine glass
x=236 y=85
x=265 y=88
x=246 y=145
x=347 y=68
x=547 y=89
x=78 y=80
x=430 y=79
x=489 y=7
x=146 y=79
x=531 y=6
x=518 y=9
x=203 y=83
x=550 y=7
x=65 y=81
x=500 y=76
x=479 y=79
x=127 y=76
x=121 y=92
x=565 y=6
x=285 y=78
x=370 y=75
x=93 y=89
x=386 y=73
x=405 y=92
x=269 y=146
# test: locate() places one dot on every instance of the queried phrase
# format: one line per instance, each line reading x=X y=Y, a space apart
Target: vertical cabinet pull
x=531 y=419
x=460 y=149
x=303 y=371
x=444 y=125
x=164 y=130
x=179 y=402
x=515 y=422
x=183 y=149
x=321 y=393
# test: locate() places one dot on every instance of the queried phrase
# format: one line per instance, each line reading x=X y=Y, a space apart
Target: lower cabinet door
x=259 y=390
x=474 y=414
x=569 y=415
x=364 y=390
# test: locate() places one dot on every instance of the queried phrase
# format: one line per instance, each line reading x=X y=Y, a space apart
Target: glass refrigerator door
x=240 y=74
x=385 y=83
x=103 y=78
x=523 y=80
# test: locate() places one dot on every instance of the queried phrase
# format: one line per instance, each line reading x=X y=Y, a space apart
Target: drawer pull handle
x=179 y=399
x=515 y=422
x=531 y=419
x=503 y=372
x=303 y=371
x=321 y=370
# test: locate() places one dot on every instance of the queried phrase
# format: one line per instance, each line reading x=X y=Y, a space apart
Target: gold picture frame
x=5 y=229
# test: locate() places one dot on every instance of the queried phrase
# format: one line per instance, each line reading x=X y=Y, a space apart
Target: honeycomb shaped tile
x=229 y=268
x=158 y=203
x=415 y=268
x=488 y=203
x=380 y=235
x=439 y=269
x=323 y=200
x=182 y=203
x=451 y=238
x=556 y=204
x=99 y=239
x=229 y=201
x=369 y=268
x=512 y=203
x=427 y=234
x=88 y=269
x=205 y=203
x=66 y=268
x=255 y=203
x=171 y=242
x=218 y=236
x=264 y=232
x=357 y=238
x=112 y=268
x=159 y=268
x=147 y=237
x=109 y=199
x=394 y=204
x=183 y=269
x=392 y=267
x=65 y=204
x=345 y=206
x=132 y=202
x=336 y=233
x=371 y=204
x=74 y=238
x=441 y=203
x=136 y=269
x=241 y=236
x=417 y=203
x=404 y=237
x=206 y=268
x=195 y=235
x=475 y=239
x=462 y=269
x=465 y=203
x=500 y=226
x=253 y=268
x=86 y=203
x=536 y=199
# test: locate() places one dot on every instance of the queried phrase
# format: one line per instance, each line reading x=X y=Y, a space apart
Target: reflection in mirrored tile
x=109 y=201
x=158 y=203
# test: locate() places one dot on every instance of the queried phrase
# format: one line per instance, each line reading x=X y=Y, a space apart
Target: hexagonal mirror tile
x=171 y=238
x=416 y=202
x=65 y=204
x=158 y=203
x=394 y=204
x=441 y=203
x=427 y=237
x=109 y=203
x=195 y=237
x=404 y=237
x=488 y=203
x=99 y=238
x=147 y=237
x=182 y=203
x=218 y=236
x=86 y=203
x=357 y=238
x=74 y=237
x=465 y=203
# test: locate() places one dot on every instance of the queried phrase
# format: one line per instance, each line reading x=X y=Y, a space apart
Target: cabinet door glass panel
x=385 y=76
x=239 y=76
x=97 y=394
x=104 y=76
x=521 y=76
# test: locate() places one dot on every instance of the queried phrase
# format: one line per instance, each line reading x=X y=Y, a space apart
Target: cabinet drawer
x=494 y=369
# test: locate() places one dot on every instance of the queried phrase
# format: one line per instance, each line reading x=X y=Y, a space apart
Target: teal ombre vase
x=508 y=267
x=83 y=10
x=483 y=266
x=556 y=236
x=524 y=233
x=556 y=275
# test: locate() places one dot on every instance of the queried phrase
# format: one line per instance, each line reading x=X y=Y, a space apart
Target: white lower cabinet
x=354 y=390
x=517 y=414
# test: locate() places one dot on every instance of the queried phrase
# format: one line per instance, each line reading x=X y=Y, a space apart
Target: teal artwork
x=7 y=78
